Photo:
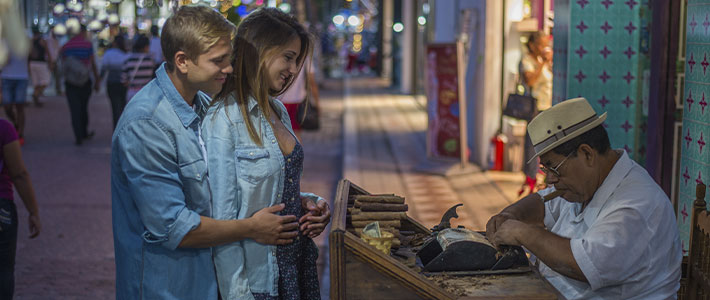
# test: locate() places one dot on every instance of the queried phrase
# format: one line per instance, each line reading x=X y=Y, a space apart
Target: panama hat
x=561 y=123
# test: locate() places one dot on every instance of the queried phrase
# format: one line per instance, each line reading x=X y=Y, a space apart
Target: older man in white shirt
x=611 y=231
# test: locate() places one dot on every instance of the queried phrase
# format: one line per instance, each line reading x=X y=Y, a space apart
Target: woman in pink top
x=13 y=172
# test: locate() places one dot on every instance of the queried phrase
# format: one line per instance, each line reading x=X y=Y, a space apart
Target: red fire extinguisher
x=496 y=151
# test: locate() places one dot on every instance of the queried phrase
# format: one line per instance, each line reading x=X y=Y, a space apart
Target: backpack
x=75 y=72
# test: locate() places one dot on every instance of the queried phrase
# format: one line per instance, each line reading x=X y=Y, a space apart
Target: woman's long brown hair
x=261 y=36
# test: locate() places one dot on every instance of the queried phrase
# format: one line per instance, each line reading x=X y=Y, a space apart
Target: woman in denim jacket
x=255 y=161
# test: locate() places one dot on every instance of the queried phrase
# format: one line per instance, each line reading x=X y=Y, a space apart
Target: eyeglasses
x=554 y=170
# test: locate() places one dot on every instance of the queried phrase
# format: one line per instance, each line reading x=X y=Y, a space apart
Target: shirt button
x=273 y=141
x=290 y=180
x=251 y=153
x=292 y=199
x=279 y=195
x=197 y=175
x=288 y=160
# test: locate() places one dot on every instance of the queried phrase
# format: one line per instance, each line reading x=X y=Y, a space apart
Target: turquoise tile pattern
x=606 y=62
x=695 y=150
x=560 y=47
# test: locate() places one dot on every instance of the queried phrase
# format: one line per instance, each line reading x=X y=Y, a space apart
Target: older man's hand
x=494 y=224
x=509 y=233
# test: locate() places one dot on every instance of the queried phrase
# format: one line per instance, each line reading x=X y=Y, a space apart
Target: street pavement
x=73 y=256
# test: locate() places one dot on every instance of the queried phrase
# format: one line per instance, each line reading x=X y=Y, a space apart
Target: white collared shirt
x=625 y=241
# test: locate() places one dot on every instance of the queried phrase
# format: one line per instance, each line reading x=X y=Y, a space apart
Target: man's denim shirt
x=159 y=190
x=245 y=178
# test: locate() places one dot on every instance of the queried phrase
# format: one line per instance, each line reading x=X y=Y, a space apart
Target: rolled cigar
x=388 y=223
x=373 y=206
x=378 y=215
x=551 y=196
x=396 y=243
x=353 y=211
x=407 y=232
x=380 y=199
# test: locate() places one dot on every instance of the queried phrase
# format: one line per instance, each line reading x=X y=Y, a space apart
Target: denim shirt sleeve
x=149 y=162
x=311 y=196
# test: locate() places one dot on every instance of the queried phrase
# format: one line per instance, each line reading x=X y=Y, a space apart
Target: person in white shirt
x=156 y=51
x=112 y=64
x=53 y=46
x=611 y=231
x=298 y=92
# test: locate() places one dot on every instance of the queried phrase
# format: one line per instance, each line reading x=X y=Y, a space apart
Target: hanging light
x=353 y=20
x=398 y=27
x=102 y=16
x=338 y=20
x=60 y=29
x=58 y=9
x=73 y=25
x=95 y=25
x=285 y=7
x=75 y=6
x=144 y=3
x=113 y=19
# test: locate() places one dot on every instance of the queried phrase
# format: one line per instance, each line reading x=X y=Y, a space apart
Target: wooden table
x=359 y=271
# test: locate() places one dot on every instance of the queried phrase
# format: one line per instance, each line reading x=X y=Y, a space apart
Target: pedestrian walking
x=156 y=51
x=256 y=161
x=15 y=77
x=13 y=173
x=299 y=95
x=40 y=60
x=138 y=67
x=112 y=65
x=53 y=45
x=77 y=61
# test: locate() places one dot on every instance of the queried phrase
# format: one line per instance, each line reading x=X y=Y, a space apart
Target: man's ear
x=588 y=154
x=181 y=60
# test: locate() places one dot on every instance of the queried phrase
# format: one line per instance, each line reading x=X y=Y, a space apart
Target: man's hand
x=509 y=232
x=271 y=229
x=35 y=225
x=494 y=224
x=317 y=217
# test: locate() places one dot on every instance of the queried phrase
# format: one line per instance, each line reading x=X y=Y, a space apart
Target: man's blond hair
x=193 y=29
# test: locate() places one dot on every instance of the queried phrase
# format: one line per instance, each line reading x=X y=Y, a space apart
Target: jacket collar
x=185 y=113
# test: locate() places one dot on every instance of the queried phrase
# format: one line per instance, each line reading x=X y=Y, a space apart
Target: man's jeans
x=8 y=244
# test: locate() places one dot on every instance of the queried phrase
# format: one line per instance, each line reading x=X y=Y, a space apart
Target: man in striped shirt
x=138 y=69
x=80 y=48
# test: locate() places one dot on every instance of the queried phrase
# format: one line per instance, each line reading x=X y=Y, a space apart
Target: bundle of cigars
x=388 y=209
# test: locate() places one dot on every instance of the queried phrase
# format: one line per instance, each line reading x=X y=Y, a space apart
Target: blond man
x=161 y=203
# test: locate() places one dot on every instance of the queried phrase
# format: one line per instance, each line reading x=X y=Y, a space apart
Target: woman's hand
x=35 y=225
x=317 y=217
